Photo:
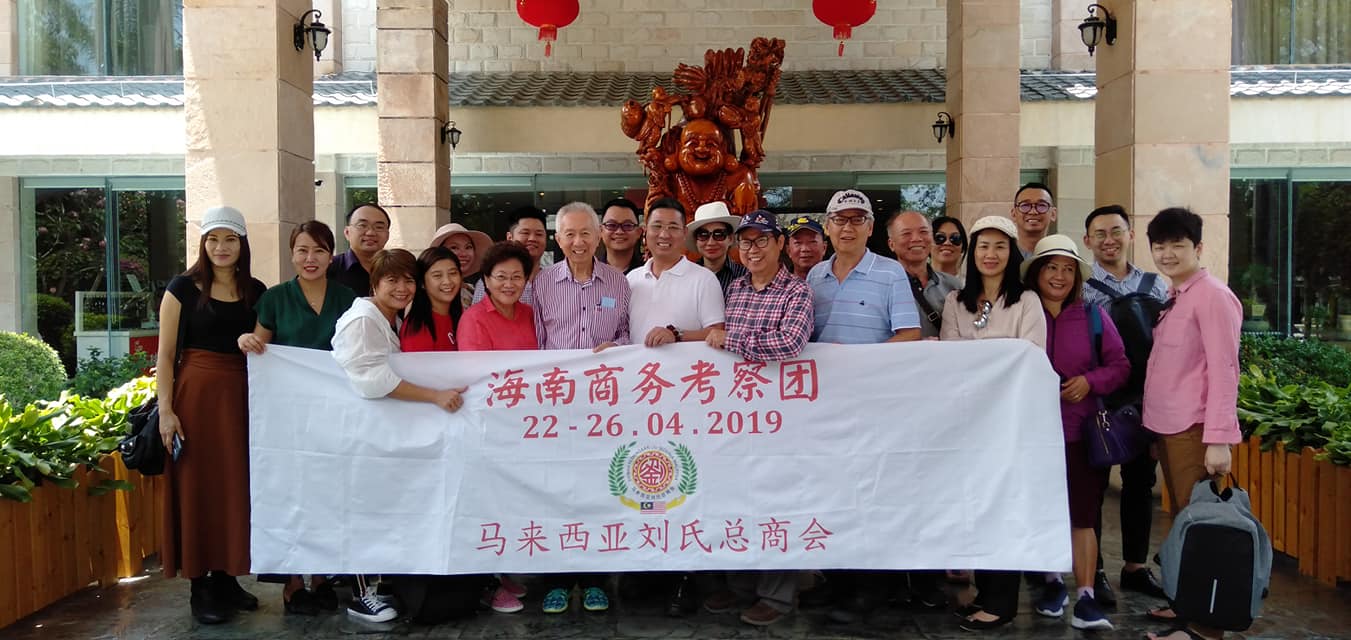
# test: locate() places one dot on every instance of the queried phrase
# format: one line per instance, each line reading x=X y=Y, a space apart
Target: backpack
x=1216 y=560
x=1135 y=314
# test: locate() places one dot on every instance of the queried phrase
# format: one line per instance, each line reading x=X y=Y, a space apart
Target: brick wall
x=652 y=35
x=9 y=38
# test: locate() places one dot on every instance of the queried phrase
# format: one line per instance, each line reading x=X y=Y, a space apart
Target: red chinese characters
x=494 y=540
x=797 y=380
x=556 y=388
x=532 y=539
x=700 y=381
x=746 y=380
x=655 y=537
x=814 y=534
x=574 y=537
x=651 y=384
x=510 y=391
x=604 y=387
x=773 y=535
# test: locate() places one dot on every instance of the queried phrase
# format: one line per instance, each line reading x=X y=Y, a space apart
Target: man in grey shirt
x=910 y=236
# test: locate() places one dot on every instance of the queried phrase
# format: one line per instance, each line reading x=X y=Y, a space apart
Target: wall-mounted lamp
x=1093 y=29
x=318 y=33
x=944 y=126
x=450 y=134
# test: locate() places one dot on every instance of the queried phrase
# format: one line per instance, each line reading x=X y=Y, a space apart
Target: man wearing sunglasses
x=620 y=234
x=711 y=235
x=1033 y=212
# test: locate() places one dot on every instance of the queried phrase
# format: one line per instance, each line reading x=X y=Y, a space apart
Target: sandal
x=1191 y=635
x=1156 y=615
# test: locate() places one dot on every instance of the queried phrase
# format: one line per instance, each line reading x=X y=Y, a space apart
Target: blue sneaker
x=594 y=599
x=556 y=601
x=1088 y=615
x=1054 y=598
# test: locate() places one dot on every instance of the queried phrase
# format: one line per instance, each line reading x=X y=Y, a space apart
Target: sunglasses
x=627 y=227
x=704 y=234
x=955 y=239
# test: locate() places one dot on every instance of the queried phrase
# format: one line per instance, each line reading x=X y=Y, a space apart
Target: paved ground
x=154 y=608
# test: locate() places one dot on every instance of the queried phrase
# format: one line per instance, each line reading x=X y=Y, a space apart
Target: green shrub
x=98 y=375
x=29 y=370
x=1291 y=361
x=1296 y=415
x=56 y=325
x=48 y=441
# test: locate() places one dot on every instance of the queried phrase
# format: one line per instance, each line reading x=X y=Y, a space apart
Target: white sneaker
x=371 y=608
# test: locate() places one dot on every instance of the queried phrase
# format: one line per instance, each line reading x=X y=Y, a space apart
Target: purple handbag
x=1112 y=436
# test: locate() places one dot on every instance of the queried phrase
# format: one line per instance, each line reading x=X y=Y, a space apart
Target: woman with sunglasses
x=993 y=304
x=949 y=242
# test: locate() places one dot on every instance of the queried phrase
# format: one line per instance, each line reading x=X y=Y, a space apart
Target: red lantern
x=549 y=16
x=844 y=15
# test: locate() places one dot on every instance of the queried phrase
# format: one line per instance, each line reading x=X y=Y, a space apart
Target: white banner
x=894 y=456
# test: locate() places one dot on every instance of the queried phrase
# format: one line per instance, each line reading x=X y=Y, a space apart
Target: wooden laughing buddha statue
x=696 y=160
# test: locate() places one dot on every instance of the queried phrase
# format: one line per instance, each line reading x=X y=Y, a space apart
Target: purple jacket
x=1069 y=346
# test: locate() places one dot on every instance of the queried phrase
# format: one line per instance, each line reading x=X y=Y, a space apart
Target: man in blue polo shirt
x=859 y=298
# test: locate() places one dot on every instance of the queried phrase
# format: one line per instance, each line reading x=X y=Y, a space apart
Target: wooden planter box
x=66 y=540
x=1304 y=504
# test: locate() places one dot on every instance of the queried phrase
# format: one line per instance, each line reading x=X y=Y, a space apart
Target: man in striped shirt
x=580 y=303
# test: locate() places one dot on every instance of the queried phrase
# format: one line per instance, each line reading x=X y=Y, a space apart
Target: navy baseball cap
x=803 y=222
x=760 y=220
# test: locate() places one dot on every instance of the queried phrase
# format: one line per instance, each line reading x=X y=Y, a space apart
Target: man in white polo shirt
x=674 y=300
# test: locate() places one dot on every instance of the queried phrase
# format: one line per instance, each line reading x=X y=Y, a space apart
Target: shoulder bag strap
x=1147 y=283
x=1102 y=287
x=935 y=318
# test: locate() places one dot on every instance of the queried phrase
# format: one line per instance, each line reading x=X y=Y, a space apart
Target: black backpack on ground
x=1134 y=314
x=1216 y=560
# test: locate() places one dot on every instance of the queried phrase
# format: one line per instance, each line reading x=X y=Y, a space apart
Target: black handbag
x=1112 y=436
x=142 y=449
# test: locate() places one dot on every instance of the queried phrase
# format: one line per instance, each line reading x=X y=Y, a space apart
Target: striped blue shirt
x=870 y=306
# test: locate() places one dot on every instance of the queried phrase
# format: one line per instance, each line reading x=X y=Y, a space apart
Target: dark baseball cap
x=761 y=220
x=803 y=222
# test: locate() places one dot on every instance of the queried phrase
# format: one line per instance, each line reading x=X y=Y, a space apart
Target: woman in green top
x=302 y=312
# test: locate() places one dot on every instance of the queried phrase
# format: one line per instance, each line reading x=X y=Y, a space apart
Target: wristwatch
x=674 y=331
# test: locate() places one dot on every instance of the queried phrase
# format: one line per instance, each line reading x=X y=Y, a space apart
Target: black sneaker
x=207 y=607
x=370 y=608
x=683 y=599
x=1102 y=591
x=1142 y=581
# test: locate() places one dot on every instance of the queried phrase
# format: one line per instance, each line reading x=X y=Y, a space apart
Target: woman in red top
x=436 y=309
x=500 y=321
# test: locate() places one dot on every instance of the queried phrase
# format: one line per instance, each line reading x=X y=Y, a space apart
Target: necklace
x=690 y=192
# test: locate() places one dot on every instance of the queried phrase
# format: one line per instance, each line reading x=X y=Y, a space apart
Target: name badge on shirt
x=607 y=302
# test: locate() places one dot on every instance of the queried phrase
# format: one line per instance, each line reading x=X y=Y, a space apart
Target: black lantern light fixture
x=1094 y=29
x=450 y=134
x=318 y=33
x=944 y=126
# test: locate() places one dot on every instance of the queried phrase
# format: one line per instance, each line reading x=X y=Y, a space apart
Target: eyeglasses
x=984 y=319
x=852 y=221
x=669 y=228
x=760 y=243
x=1116 y=233
x=378 y=227
x=504 y=279
x=1041 y=206
x=626 y=227
x=955 y=239
x=704 y=234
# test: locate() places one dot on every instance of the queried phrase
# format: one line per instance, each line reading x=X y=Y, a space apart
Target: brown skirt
x=206 y=496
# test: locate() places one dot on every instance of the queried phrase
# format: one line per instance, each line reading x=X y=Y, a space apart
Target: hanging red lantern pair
x=844 y=15
x=549 y=16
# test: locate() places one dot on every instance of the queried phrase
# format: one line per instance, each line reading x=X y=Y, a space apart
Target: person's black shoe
x=302 y=603
x=1142 y=581
x=1102 y=591
x=325 y=596
x=207 y=607
x=852 y=609
x=228 y=591
x=683 y=598
x=984 y=625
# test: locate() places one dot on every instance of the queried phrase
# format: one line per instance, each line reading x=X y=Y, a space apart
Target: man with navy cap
x=806 y=245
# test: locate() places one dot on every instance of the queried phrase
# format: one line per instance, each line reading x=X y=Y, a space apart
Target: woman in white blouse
x=366 y=335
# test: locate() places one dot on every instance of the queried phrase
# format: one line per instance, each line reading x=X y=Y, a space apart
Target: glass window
x=100 y=37
x=1257 y=246
x=1322 y=259
x=102 y=254
x=1291 y=32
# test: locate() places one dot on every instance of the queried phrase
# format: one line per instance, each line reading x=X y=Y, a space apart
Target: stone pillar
x=11 y=271
x=328 y=196
x=1162 y=118
x=331 y=62
x=9 y=37
x=983 y=97
x=1071 y=178
x=413 y=71
x=250 y=122
x=1068 y=52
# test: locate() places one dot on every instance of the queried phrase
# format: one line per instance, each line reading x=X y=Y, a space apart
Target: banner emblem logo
x=654 y=479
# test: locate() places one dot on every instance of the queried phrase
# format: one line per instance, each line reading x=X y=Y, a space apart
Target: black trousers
x=998 y=592
x=1137 y=509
